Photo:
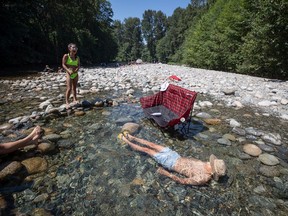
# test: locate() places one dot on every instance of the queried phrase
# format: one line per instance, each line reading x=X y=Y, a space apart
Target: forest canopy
x=239 y=36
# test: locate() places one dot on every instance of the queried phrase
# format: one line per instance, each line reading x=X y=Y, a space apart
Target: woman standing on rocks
x=71 y=64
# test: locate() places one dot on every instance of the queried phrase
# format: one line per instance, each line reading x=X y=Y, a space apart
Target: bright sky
x=135 y=8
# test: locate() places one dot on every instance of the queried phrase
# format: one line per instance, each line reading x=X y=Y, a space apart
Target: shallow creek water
x=91 y=173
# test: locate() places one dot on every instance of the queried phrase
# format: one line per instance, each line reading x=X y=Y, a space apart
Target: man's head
x=218 y=167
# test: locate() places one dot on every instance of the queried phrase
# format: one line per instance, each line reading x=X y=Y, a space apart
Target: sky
x=135 y=8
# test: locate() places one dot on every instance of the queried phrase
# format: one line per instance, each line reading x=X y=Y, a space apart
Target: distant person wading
x=71 y=64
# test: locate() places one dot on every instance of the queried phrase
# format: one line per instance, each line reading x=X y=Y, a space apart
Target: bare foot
x=67 y=106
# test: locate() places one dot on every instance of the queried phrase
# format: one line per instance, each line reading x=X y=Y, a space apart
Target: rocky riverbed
x=79 y=168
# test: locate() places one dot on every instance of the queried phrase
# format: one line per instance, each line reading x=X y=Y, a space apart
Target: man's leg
x=148 y=151
x=157 y=147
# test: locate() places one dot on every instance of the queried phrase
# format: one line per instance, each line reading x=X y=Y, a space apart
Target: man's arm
x=195 y=180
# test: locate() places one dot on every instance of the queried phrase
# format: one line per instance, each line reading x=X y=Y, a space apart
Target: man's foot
x=120 y=138
x=67 y=106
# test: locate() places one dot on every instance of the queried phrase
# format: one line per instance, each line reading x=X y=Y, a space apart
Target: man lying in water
x=196 y=171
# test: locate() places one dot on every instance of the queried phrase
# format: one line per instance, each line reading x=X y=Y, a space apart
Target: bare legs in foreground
x=31 y=139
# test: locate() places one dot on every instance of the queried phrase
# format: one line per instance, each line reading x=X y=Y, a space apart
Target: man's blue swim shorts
x=167 y=158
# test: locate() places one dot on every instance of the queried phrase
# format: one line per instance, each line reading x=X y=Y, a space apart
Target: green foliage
x=154 y=25
x=265 y=48
x=240 y=36
x=129 y=39
x=38 y=31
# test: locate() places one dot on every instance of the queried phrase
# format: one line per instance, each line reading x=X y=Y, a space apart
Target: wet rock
x=46 y=147
x=259 y=189
x=66 y=144
x=252 y=150
x=212 y=121
x=239 y=131
x=52 y=137
x=41 y=212
x=272 y=138
x=79 y=113
x=233 y=123
x=268 y=159
x=269 y=171
x=262 y=202
x=41 y=198
x=123 y=120
x=203 y=115
x=229 y=137
x=9 y=168
x=35 y=165
x=106 y=113
x=224 y=141
x=5 y=126
x=254 y=132
x=266 y=148
x=138 y=181
x=131 y=127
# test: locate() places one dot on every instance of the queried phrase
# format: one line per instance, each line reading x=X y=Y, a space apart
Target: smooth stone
x=9 y=168
x=212 y=121
x=52 y=137
x=272 y=138
x=131 y=127
x=46 y=147
x=229 y=137
x=269 y=171
x=266 y=148
x=259 y=189
x=239 y=131
x=123 y=120
x=224 y=141
x=79 y=113
x=252 y=150
x=35 y=165
x=229 y=91
x=106 y=113
x=41 y=212
x=268 y=159
x=5 y=126
x=3 y=203
x=203 y=115
x=233 y=123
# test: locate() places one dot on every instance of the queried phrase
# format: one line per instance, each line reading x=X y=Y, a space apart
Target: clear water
x=96 y=175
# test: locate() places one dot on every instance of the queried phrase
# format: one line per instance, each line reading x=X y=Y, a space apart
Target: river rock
x=203 y=115
x=35 y=165
x=212 y=121
x=269 y=171
x=52 y=137
x=46 y=147
x=9 y=168
x=252 y=150
x=272 y=138
x=224 y=141
x=268 y=159
x=131 y=127
x=5 y=126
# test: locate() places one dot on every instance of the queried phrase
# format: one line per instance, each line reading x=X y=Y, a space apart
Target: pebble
x=252 y=150
x=268 y=159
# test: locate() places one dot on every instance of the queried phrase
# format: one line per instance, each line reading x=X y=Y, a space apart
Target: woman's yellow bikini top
x=72 y=62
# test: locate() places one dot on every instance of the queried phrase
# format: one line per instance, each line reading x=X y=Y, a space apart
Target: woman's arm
x=64 y=59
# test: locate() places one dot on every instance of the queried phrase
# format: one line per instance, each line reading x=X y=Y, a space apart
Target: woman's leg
x=157 y=147
x=32 y=138
x=74 y=88
x=148 y=151
x=68 y=88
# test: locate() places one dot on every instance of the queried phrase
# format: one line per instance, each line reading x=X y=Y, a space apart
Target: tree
x=154 y=24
